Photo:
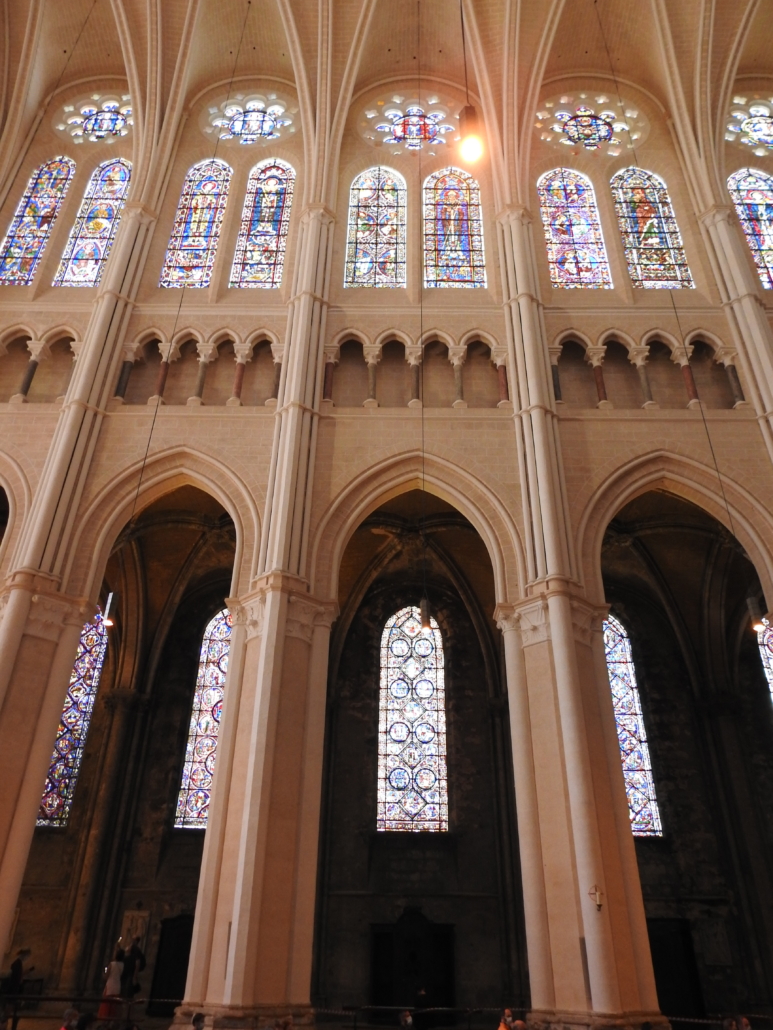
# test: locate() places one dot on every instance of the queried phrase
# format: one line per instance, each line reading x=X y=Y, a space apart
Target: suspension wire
x=671 y=291
x=185 y=285
x=464 y=53
x=421 y=321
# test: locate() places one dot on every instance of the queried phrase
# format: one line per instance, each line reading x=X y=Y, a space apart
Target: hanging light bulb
x=471 y=147
x=106 y=621
x=425 y=617
x=758 y=622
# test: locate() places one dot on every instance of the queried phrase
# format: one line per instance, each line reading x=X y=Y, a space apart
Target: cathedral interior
x=386 y=512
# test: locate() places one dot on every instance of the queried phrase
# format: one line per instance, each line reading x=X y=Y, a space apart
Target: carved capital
x=534 y=621
x=595 y=355
x=39 y=350
x=169 y=351
x=206 y=351
x=587 y=619
x=638 y=355
x=725 y=355
x=681 y=355
x=242 y=352
x=555 y=353
x=506 y=618
x=332 y=353
x=50 y=613
x=498 y=356
x=372 y=353
x=304 y=613
x=457 y=354
x=413 y=353
x=278 y=353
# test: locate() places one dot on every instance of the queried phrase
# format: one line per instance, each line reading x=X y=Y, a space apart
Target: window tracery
x=193 y=243
x=453 y=230
x=577 y=255
x=201 y=749
x=262 y=240
x=33 y=221
x=375 y=250
x=66 y=759
x=752 y=193
x=631 y=734
x=412 y=776
x=93 y=232
x=765 y=643
x=651 y=237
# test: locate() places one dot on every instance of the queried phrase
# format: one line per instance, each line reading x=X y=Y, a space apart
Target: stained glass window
x=92 y=234
x=375 y=250
x=752 y=194
x=453 y=230
x=576 y=252
x=201 y=749
x=66 y=760
x=260 y=247
x=196 y=230
x=765 y=641
x=634 y=750
x=653 y=244
x=412 y=778
x=28 y=234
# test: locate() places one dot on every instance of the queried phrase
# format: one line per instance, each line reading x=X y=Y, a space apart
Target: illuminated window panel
x=196 y=230
x=201 y=749
x=577 y=255
x=375 y=249
x=412 y=779
x=765 y=641
x=453 y=230
x=66 y=760
x=752 y=193
x=262 y=240
x=651 y=237
x=634 y=750
x=28 y=234
x=92 y=235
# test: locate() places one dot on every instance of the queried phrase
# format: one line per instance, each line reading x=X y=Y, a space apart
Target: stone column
x=414 y=355
x=206 y=354
x=38 y=352
x=169 y=353
x=681 y=357
x=595 y=358
x=127 y=366
x=638 y=356
x=277 y=353
x=372 y=354
x=457 y=355
x=728 y=358
x=242 y=354
x=332 y=357
x=555 y=354
x=499 y=360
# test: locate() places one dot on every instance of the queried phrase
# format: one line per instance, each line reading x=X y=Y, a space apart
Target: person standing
x=133 y=964
x=111 y=996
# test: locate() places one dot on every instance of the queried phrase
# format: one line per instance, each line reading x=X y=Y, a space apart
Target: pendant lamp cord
x=464 y=52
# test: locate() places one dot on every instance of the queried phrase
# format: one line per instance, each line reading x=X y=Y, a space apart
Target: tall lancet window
x=62 y=777
x=192 y=246
x=91 y=237
x=28 y=234
x=453 y=230
x=577 y=254
x=201 y=749
x=260 y=246
x=412 y=777
x=752 y=193
x=651 y=237
x=634 y=750
x=375 y=246
x=765 y=642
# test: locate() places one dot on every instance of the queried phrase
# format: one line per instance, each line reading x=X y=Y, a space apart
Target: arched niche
x=350 y=384
x=13 y=365
x=466 y=880
x=620 y=378
x=393 y=383
x=578 y=390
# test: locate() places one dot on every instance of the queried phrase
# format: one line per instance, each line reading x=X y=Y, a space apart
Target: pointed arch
x=375 y=242
x=91 y=237
x=33 y=221
x=412 y=790
x=195 y=234
x=651 y=237
x=577 y=254
x=752 y=193
x=262 y=240
x=453 y=230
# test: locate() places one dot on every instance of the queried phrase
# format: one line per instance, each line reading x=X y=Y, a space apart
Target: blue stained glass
x=634 y=750
x=752 y=193
x=262 y=240
x=66 y=760
x=28 y=234
x=453 y=230
x=651 y=237
x=412 y=792
x=201 y=749
x=196 y=230
x=765 y=642
x=375 y=249
x=92 y=235
x=576 y=253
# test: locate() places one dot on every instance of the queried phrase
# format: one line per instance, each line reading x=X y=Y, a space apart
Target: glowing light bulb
x=758 y=621
x=471 y=147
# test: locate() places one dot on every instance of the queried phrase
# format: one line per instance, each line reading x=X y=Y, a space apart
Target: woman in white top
x=111 y=1006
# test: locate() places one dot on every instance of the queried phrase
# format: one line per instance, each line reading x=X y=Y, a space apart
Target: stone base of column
x=270 y=402
x=651 y=405
x=194 y=402
x=507 y=405
x=694 y=403
x=459 y=404
x=587 y=1020
x=371 y=402
x=227 y=1017
x=414 y=402
x=155 y=399
x=233 y=402
x=327 y=404
x=18 y=398
x=739 y=405
x=604 y=404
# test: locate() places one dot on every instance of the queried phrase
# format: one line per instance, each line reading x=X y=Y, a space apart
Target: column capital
x=207 y=352
x=514 y=213
x=457 y=354
x=530 y=616
x=499 y=356
x=277 y=352
x=242 y=352
x=715 y=214
x=413 y=353
x=725 y=355
x=318 y=213
x=372 y=353
x=332 y=353
x=594 y=355
x=304 y=612
x=554 y=352
x=639 y=355
x=49 y=614
x=681 y=355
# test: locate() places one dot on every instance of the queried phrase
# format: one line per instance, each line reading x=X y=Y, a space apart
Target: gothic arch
x=752 y=523
x=661 y=336
x=616 y=336
x=17 y=489
x=414 y=471
x=111 y=508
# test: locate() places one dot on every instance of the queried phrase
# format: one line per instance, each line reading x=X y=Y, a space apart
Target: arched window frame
x=765 y=644
x=195 y=790
x=376 y=232
x=752 y=193
x=631 y=733
x=64 y=769
x=262 y=240
x=649 y=229
x=465 y=264
x=31 y=225
x=190 y=256
x=95 y=225
x=570 y=219
x=412 y=791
